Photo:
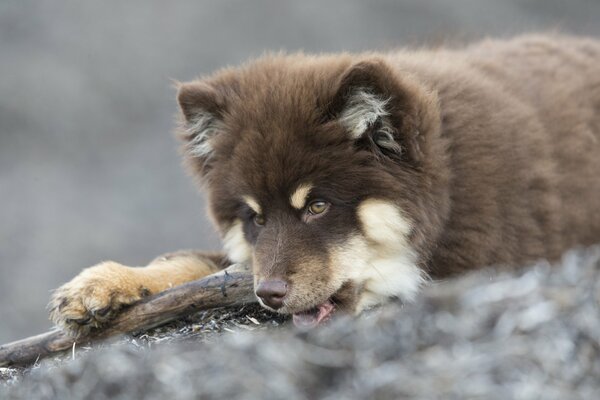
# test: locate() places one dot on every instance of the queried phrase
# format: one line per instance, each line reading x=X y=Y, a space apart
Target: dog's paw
x=94 y=297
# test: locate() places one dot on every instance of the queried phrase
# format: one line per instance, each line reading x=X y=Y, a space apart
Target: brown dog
x=346 y=180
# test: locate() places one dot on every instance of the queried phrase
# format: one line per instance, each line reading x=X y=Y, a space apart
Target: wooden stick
x=230 y=287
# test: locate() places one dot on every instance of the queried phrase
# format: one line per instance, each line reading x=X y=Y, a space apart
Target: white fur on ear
x=362 y=110
x=200 y=129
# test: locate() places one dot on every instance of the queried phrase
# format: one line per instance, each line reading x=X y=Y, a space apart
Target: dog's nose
x=272 y=292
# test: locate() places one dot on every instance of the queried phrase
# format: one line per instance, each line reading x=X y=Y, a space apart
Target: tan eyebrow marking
x=253 y=204
x=298 y=198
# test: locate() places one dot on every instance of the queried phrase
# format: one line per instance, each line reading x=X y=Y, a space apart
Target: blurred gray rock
x=528 y=334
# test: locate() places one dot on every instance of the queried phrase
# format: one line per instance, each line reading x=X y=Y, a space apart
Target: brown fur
x=495 y=157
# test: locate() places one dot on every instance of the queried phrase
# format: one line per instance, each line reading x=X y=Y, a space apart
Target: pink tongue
x=311 y=318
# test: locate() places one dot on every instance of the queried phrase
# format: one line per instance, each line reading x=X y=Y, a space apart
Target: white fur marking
x=383 y=223
x=382 y=261
x=236 y=246
x=391 y=277
x=363 y=110
x=298 y=198
x=200 y=130
x=253 y=204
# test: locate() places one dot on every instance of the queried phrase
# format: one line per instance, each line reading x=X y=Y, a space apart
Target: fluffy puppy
x=346 y=180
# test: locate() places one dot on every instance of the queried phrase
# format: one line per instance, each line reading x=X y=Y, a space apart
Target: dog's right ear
x=202 y=110
x=379 y=109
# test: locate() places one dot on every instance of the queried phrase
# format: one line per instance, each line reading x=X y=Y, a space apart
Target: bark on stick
x=230 y=287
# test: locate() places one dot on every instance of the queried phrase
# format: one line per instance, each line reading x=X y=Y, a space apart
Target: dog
x=347 y=180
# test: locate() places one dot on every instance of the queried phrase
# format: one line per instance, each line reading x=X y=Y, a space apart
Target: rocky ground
x=529 y=334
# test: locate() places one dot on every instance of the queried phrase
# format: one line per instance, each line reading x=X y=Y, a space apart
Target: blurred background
x=89 y=169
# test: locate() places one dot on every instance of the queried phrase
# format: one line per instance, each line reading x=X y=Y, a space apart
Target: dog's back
x=521 y=121
x=560 y=78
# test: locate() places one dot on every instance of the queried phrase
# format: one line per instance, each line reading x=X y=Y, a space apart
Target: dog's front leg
x=97 y=294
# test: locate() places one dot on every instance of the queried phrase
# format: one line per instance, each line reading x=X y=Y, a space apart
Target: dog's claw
x=102 y=312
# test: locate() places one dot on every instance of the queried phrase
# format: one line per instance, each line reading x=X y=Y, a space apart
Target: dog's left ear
x=202 y=108
x=375 y=109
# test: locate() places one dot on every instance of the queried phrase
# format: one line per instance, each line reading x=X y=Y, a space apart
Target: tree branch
x=230 y=287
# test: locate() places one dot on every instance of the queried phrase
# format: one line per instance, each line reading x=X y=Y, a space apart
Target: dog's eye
x=259 y=220
x=318 y=207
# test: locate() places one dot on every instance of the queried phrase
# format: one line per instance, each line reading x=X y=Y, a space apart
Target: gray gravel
x=530 y=334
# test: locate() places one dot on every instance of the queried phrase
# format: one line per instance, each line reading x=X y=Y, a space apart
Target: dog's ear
x=202 y=110
x=375 y=109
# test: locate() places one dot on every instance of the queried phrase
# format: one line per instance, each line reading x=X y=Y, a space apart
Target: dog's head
x=321 y=172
